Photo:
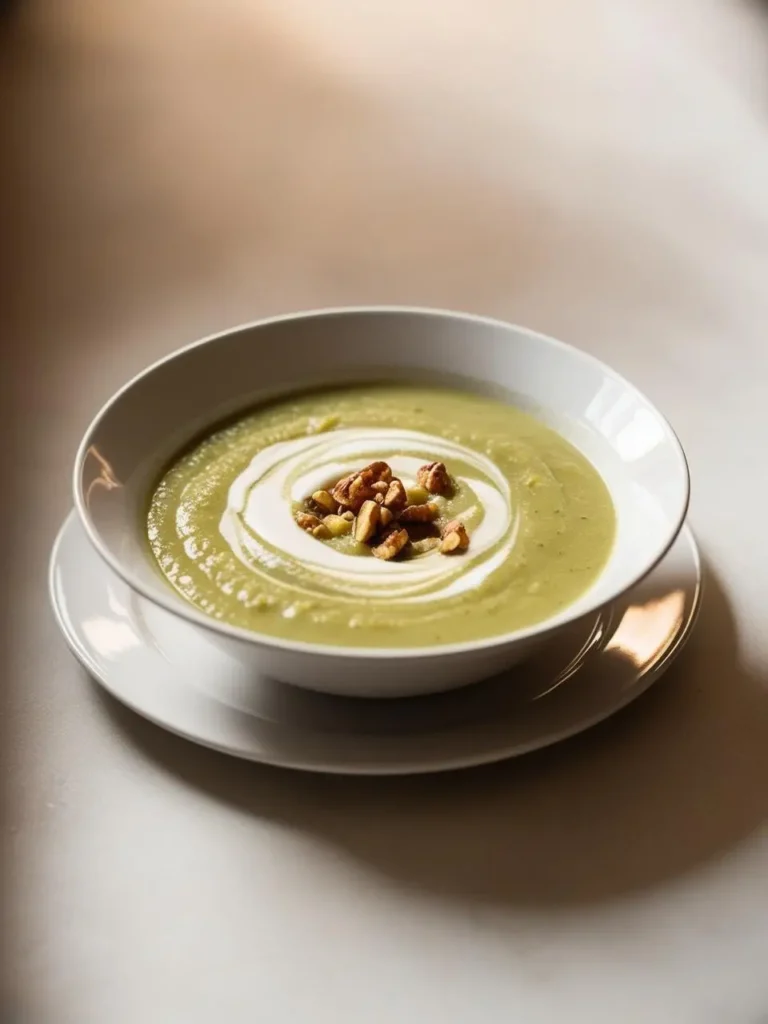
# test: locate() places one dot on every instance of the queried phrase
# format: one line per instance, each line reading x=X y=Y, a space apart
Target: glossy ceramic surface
x=169 y=671
x=622 y=433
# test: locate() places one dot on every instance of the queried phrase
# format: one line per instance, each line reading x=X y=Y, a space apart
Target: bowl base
x=171 y=672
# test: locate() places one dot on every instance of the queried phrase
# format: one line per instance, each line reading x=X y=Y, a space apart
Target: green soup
x=222 y=521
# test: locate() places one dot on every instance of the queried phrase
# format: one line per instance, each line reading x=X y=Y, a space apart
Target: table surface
x=597 y=171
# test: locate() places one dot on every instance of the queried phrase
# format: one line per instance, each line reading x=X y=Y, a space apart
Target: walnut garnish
x=340 y=492
x=420 y=513
x=307 y=521
x=396 y=497
x=391 y=544
x=380 y=472
x=367 y=522
x=358 y=487
x=324 y=500
x=377 y=509
x=434 y=477
x=354 y=489
x=455 y=537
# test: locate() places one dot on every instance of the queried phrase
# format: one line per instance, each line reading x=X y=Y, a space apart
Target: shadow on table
x=672 y=782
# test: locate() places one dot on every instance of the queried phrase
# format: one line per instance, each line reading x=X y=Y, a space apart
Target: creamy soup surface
x=222 y=521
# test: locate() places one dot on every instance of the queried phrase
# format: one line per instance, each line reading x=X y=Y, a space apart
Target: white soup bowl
x=149 y=420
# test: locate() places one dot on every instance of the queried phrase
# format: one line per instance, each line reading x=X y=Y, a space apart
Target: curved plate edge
x=645 y=681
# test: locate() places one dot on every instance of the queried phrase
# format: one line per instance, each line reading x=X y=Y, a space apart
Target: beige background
x=597 y=170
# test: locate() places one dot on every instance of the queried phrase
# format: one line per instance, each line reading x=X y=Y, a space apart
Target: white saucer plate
x=168 y=670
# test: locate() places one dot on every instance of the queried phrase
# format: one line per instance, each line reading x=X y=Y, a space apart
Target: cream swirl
x=259 y=527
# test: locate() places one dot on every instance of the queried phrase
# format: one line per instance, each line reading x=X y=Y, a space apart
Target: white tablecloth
x=597 y=170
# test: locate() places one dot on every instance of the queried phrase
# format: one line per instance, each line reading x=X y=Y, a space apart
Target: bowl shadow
x=652 y=793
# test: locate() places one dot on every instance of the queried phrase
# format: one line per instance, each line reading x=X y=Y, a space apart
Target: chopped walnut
x=420 y=513
x=391 y=544
x=434 y=477
x=372 y=504
x=455 y=537
x=367 y=521
x=380 y=472
x=358 y=487
x=340 y=492
x=380 y=489
x=396 y=498
x=354 y=489
x=308 y=521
